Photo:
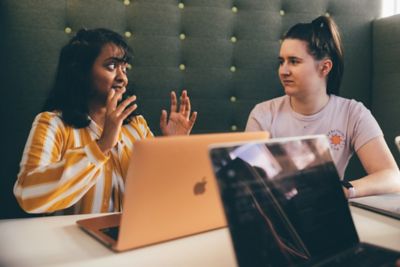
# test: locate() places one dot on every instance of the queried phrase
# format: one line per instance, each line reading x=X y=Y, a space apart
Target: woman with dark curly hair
x=78 y=149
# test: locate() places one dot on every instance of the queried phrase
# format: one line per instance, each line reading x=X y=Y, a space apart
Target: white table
x=57 y=241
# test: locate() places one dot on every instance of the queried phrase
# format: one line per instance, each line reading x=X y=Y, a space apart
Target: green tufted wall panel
x=386 y=82
x=223 y=51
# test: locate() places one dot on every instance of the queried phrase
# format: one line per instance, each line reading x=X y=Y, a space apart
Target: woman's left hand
x=179 y=122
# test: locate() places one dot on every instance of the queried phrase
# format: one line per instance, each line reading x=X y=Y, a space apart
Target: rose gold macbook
x=170 y=192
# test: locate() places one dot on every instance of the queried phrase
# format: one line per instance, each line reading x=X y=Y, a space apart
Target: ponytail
x=323 y=41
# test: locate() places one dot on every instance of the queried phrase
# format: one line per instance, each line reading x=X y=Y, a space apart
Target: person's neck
x=309 y=105
x=97 y=113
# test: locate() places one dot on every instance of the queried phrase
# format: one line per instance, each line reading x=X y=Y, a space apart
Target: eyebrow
x=290 y=58
x=117 y=59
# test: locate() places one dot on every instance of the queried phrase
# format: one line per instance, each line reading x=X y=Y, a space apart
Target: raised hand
x=180 y=122
x=115 y=115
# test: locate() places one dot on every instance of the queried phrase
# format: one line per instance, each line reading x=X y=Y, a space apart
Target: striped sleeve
x=144 y=128
x=137 y=129
x=50 y=178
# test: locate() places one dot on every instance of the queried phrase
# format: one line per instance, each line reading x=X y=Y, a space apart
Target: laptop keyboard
x=111 y=232
x=364 y=255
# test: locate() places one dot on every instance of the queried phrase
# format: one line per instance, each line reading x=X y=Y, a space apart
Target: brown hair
x=323 y=41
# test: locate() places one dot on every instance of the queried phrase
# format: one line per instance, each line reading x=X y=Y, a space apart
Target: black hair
x=323 y=41
x=72 y=86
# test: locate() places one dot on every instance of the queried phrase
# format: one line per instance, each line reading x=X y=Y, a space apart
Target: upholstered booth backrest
x=386 y=78
x=224 y=52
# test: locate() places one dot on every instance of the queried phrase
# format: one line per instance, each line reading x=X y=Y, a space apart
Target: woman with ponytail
x=310 y=70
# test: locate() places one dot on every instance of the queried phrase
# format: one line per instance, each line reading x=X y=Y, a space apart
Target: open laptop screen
x=283 y=201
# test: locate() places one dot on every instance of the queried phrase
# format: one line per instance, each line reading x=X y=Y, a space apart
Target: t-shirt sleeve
x=259 y=118
x=365 y=126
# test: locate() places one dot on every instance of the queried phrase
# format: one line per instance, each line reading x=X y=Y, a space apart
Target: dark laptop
x=387 y=204
x=285 y=206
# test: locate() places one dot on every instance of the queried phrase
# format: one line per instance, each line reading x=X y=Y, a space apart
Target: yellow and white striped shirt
x=62 y=168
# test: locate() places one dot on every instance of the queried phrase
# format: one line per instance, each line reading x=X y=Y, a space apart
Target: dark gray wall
x=386 y=78
x=33 y=31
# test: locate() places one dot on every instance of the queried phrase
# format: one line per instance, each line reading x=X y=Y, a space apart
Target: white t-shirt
x=347 y=123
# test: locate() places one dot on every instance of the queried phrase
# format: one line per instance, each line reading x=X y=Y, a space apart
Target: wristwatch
x=349 y=186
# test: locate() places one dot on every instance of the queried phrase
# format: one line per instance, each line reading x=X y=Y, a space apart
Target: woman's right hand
x=115 y=115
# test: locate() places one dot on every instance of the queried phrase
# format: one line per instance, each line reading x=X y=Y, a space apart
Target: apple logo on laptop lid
x=200 y=187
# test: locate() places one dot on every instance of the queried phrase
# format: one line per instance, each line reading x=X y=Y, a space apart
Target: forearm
x=383 y=173
x=380 y=182
x=58 y=185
